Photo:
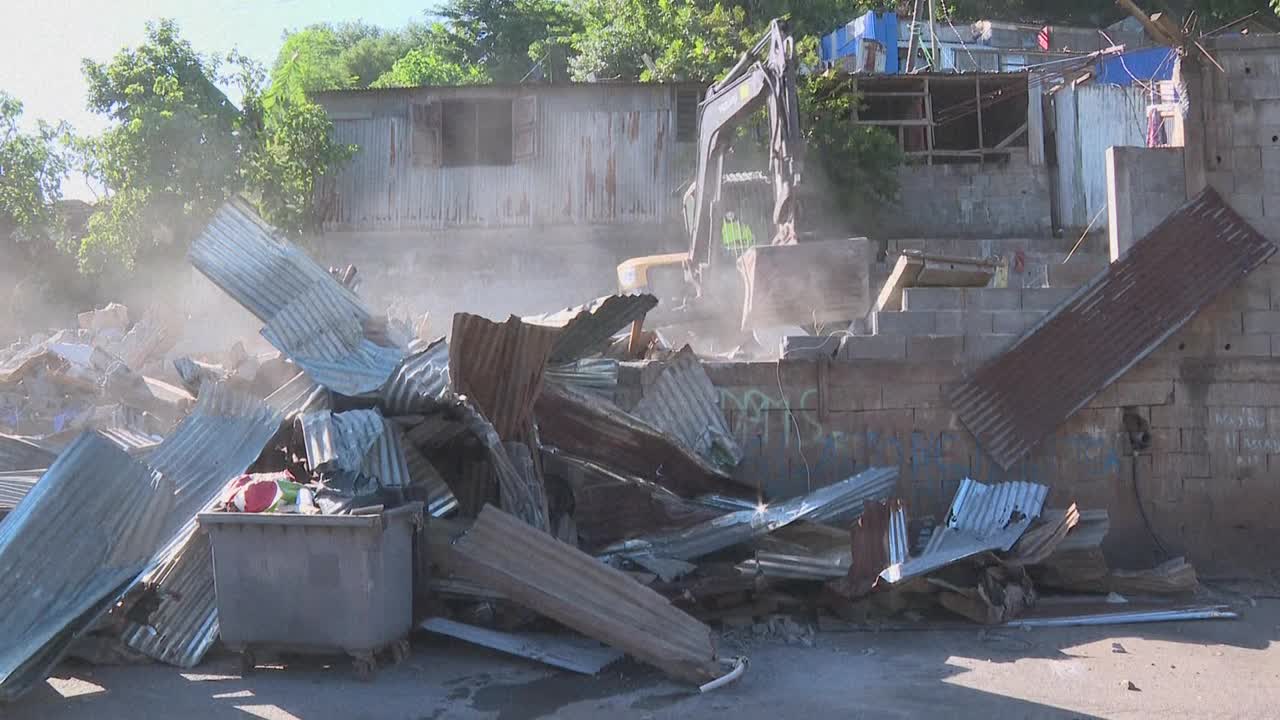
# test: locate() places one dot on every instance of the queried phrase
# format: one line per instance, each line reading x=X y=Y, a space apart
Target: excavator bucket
x=811 y=283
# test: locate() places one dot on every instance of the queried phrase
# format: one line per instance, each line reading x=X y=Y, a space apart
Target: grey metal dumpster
x=315 y=583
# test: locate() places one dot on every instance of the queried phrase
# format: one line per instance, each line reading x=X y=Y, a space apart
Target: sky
x=43 y=41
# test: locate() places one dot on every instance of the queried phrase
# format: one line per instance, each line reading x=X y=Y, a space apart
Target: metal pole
x=933 y=36
x=911 y=45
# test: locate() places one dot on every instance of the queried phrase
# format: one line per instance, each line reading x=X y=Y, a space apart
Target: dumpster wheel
x=364 y=666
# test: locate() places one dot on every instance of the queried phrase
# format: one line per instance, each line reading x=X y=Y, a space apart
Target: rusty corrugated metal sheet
x=573 y=588
x=420 y=384
x=684 y=403
x=598 y=376
x=105 y=514
x=597 y=430
x=589 y=328
x=605 y=156
x=1124 y=314
x=499 y=367
x=309 y=316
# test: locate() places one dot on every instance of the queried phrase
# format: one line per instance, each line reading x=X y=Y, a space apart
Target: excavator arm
x=763 y=77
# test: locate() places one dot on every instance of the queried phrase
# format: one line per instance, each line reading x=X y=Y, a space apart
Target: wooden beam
x=1157 y=33
x=1012 y=136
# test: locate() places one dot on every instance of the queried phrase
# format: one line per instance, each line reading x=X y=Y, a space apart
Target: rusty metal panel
x=500 y=366
x=1120 y=317
x=597 y=430
x=599 y=156
x=573 y=588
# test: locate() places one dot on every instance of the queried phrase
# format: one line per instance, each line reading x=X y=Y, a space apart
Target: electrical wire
x=808 y=476
x=1142 y=510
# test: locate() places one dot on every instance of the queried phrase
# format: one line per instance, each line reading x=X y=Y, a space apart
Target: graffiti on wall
x=788 y=452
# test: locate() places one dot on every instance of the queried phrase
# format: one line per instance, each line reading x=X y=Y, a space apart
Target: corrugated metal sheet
x=685 y=404
x=15 y=485
x=795 y=567
x=593 y=429
x=843 y=499
x=1056 y=367
x=573 y=588
x=598 y=376
x=569 y=652
x=340 y=440
x=309 y=316
x=21 y=454
x=420 y=384
x=82 y=536
x=589 y=328
x=604 y=157
x=215 y=444
x=299 y=395
x=427 y=485
x=517 y=492
x=1129 y=617
x=1091 y=118
x=981 y=518
x=499 y=367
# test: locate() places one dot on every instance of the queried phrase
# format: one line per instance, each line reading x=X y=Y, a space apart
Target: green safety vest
x=737 y=236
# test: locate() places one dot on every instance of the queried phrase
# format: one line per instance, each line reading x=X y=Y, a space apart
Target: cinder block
x=1242 y=394
x=874 y=347
x=935 y=348
x=1045 y=298
x=1238 y=418
x=1144 y=393
x=1243 y=346
x=1184 y=465
x=848 y=398
x=1261 y=322
x=1014 y=322
x=809 y=347
x=977 y=322
x=933 y=298
x=1076 y=272
x=913 y=396
x=905 y=323
x=1247 y=204
x=949 y=322
x=1178 y=416
x=993 y=298
x=1165 y=440
x=1193 y=440
x=1247 y=158
x=980 y=348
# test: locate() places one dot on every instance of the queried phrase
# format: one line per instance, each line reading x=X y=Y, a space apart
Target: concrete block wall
x=1144 y=185
x=1034 y=261
x=992 y=199
x=1209 y=481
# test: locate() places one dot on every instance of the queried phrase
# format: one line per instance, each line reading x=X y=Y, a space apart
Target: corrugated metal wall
x=605 y=156
x=1090 y=119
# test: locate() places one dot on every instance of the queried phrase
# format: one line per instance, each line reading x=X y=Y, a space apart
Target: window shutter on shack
x=524 y=128
x=424 y=138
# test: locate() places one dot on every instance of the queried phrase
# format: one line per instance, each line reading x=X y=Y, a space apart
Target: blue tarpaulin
x=844 y=42
x=1140 y=66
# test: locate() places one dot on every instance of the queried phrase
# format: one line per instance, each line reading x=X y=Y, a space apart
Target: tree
x=32 y=165
x=434 y=60
x=178 y=147
x=507 y=37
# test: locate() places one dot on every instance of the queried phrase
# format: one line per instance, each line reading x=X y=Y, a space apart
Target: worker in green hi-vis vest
x=736 y=235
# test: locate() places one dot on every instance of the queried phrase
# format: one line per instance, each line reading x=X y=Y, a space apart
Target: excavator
x=791 y=279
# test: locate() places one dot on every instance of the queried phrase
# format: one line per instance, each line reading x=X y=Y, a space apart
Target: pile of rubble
x=550 y=503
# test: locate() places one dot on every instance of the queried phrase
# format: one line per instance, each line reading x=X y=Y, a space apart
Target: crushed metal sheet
x=593 y=429
x=427 y=485
x=1130 y=617
x=21 y=454
x=685 y=404
x=326 y=339
x=105 y=512
x=214 y=445
x=1038 y=543
x=795 y=567
x=529 y=499
x=1012 y=402
x=499 y=366
x=589 y=328
x=420 y=384
x=518 y=492
x=573 y=588
x=131 y=441
x=981 y=518
x=844 y=498
x=568 y=652
x=309 y=316
x=15 y=485
x=598 y=376
x=299 y=395
x=1089 y=532
x=340 y=441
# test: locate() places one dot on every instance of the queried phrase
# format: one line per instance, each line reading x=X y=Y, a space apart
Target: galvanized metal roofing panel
x=431 y=488
x=105 y=513
x=185 y=625
x=1058 y=366
x=843 y=499
x=981 y=518
x=420 y=383
x=499 y=367
x=15 y=485
x=212 y=446
x=21 y=454
x=685 y=404
x=589 y=328
x=299 y=395
x=598 y=376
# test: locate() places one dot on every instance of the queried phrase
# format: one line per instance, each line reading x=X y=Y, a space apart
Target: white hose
x=739 y=667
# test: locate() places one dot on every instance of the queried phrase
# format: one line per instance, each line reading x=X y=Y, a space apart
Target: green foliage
x=507 y=37
x=32 y=165
x=856 y=159
x=178 y=148
x=423 y=67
